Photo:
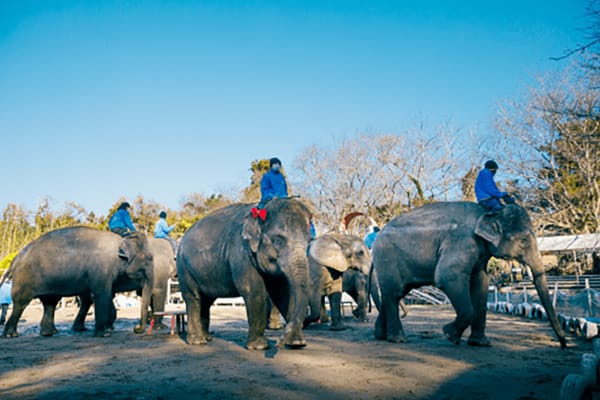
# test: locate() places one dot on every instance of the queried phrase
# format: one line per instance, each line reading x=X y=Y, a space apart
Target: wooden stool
x=177 y=318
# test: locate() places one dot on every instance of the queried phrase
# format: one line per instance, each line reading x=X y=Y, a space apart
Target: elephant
x=338 y=263
x=449 y=244
x=240 y=250
x=164 y=268
x=77 y=261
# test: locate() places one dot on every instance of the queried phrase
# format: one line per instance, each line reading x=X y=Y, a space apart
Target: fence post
x=589 y=296
x=555 y=295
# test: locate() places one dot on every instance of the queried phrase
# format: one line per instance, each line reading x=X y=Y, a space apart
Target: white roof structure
x=589 y=242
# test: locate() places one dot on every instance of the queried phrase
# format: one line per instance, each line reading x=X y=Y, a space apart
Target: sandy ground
x=525 y=362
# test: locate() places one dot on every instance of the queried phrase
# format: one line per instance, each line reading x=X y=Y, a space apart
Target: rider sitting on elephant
x=162 y=230
x=486 y=190
x=272 y=184
x=120 y=222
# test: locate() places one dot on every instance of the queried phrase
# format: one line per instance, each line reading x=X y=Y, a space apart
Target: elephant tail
x=7 y=274
x=369 y=288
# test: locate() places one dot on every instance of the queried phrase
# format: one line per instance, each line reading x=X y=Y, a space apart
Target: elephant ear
x=128 y=248
x=488 y=228
x=328 y=252
x=251 y=231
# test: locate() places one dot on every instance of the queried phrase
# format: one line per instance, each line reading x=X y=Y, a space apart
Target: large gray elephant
x=338 y=263
x=76 y=261
x=241 y=251
x=163 y=269
x=449 y=244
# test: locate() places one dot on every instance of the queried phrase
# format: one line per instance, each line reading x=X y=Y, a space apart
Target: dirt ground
x=525 y=362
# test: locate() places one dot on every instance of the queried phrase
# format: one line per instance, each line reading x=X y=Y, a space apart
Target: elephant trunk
x=299 y=295
x=374 y=290
x=146 y=295
x=541 y=285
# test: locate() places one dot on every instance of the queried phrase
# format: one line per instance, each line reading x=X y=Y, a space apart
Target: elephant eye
x=278 y=241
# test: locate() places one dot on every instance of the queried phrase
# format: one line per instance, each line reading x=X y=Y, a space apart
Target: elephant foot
x=79 y=328
x=257 y=344
x=479 y=341
x=292 y=340
x=295 y=344
x=324 y=319
x=160 y=327
x=337 y=326
x=139 y=329
x=197 y=340
x=10 y=334
x=380 y=331
x=48 y=332
x=451 y=333
x=275 y=326
x=105 y=333
x=309 y=321
x=400 y=338
x=360 y=316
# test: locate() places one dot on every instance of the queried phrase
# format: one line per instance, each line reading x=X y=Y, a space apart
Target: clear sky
x=103 y=99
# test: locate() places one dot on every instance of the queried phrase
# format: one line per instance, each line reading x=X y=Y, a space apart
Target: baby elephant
x=337 y=263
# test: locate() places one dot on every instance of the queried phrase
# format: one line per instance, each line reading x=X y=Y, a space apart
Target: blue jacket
x=121 y=219
x=5 y=292
x=370 y=239
x=162 y=229
x=485 y=187
x=272 y=185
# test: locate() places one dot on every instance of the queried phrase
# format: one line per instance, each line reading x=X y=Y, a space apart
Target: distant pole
x=524 y=294
x=589 y=296
x=555 y=295
x=495 y=295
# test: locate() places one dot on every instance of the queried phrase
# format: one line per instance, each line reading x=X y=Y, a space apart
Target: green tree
x=251 y=194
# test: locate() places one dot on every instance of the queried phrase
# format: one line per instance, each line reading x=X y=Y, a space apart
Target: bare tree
x=552 y=139
x=382 y=175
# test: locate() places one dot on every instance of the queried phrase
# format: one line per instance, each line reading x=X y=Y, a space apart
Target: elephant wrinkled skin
x=234 y=252
x=163 y=269
x=449 y=244
x=338 y=263
x=72 y=262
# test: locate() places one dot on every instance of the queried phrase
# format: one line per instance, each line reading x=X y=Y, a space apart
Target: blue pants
x=491 y=205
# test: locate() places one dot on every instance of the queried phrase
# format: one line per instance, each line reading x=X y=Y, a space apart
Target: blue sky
x=104 y=99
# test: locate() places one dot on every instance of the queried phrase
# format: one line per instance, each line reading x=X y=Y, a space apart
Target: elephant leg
x=103 y=310
x=198 y=320
x=359 y=294
x=317 y=310
x=205 y=305
x=20 y=302
x=86 y=302
x=388 y=326
x=324 y=317
x=112 y=316
x=335 y=303
x=256 y=309
x=456 y=287
x=479 y=294
x=274 y=317
x=4 y=309
x=47 y=327
x=157 y=304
